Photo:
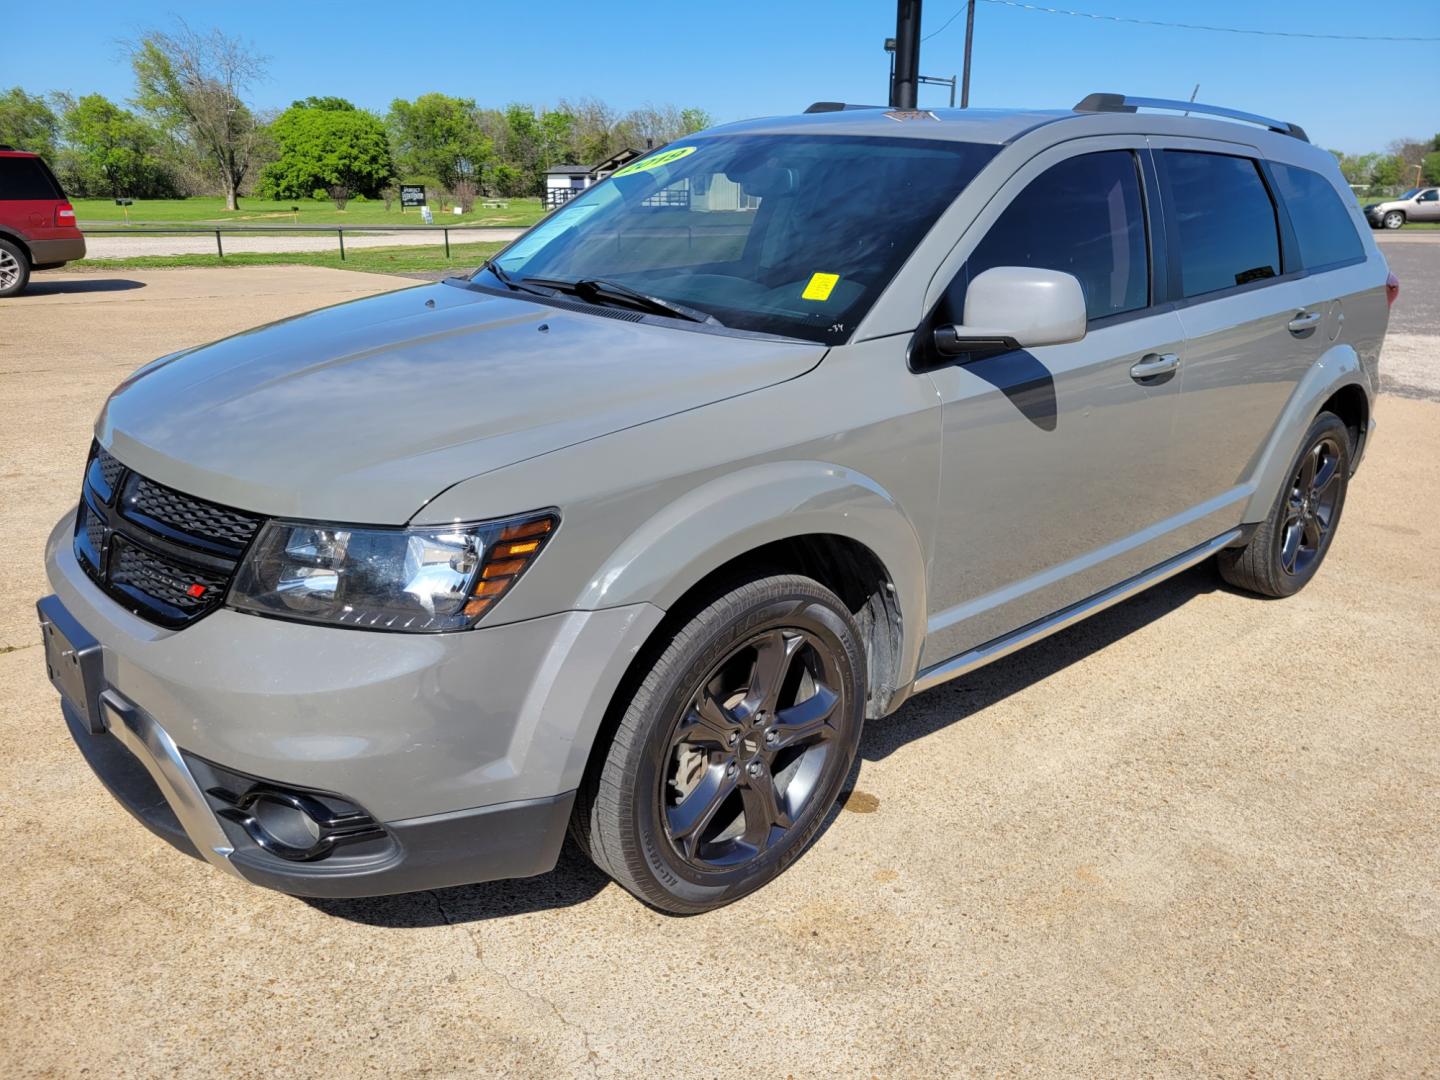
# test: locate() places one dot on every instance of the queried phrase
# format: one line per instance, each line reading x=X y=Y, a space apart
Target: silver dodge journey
x=628 y=533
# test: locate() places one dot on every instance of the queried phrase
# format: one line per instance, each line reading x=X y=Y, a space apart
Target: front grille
x=165 y=555
x=146 y=499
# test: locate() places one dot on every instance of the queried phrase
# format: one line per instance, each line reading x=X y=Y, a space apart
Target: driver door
x=1058 y=463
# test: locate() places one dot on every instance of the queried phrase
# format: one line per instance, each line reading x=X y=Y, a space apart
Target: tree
x=327 y=143
x=1430 y=167
x=1388 y=172
x=530 y=143
x=27 y=122
x=437 y=136
x=196 y=83
x=111 y=151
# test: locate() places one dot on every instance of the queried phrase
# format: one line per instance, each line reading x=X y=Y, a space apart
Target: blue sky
x=746 y=58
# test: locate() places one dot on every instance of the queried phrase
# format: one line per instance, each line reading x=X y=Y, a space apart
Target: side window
x=25 y=178
x=1323 y=227
x=1429 y=196
x=1084 y=216
x=1228 y=232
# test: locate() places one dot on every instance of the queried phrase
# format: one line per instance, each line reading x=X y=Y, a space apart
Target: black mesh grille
x=191 y=516
x=110 y=469
x=166 y=556
x=161 y=579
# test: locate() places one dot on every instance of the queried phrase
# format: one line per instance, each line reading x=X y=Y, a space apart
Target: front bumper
x=463 y=749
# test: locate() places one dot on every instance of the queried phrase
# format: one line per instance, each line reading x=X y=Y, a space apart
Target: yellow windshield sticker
x=656 y=161
x=820 y=286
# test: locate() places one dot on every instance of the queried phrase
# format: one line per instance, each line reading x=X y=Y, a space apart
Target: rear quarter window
x=1324 y=229
x=25 y=178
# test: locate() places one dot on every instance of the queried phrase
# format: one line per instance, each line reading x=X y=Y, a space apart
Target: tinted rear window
x=1228 y=233
x=1323 y=227
x=25 y=178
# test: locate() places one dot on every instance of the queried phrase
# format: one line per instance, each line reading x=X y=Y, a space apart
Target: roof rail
x=838 y=106
x=1126 y=103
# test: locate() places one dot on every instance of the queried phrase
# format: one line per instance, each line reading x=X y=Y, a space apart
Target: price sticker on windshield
x=820 y=287
x=656 y=161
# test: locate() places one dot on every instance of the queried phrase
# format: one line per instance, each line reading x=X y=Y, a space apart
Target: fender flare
x=1338 y=368
x=739 y=512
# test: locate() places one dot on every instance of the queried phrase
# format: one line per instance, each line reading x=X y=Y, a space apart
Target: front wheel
x=1289 y=546
x=732 y=750
x=1393 y=219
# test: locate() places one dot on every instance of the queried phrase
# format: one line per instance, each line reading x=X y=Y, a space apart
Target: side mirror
x=1017 y=307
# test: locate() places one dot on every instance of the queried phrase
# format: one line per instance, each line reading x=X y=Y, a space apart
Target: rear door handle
x=1154 y=364
x=1306 y=320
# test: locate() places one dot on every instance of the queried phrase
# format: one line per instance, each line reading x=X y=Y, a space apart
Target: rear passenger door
x=1252 y=326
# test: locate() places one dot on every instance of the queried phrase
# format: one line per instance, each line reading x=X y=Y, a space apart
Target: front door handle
x=1306 y=320
x=1153 y=365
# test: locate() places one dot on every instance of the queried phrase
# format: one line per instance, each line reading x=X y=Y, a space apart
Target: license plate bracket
x=74 y=660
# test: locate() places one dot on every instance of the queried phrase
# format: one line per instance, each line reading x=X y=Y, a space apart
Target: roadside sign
x=412 y=195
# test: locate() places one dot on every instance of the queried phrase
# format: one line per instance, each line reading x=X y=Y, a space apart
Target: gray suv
x=628 y=533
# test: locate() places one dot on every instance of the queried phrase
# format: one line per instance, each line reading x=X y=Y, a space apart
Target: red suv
x=37 y=222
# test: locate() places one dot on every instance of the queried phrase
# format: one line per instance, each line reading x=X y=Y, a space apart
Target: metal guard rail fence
x=338 y=230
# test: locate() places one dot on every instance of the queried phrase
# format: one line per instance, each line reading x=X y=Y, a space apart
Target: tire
x=1288 y=548
x=14 y=269
x=688 y=826
x=1393 y=219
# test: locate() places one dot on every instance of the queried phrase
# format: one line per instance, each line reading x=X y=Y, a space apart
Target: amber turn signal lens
x=511 y=554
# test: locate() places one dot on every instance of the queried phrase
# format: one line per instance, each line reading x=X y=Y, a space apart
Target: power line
x=946 y=23
x=1181 y=26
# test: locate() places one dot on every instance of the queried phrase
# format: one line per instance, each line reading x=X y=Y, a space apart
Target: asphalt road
x=1196 y=835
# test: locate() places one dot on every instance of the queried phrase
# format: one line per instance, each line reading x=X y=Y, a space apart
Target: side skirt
x=1042 y=628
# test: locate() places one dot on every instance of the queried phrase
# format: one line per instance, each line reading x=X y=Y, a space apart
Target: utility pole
x=905 y=82
x=969 y=40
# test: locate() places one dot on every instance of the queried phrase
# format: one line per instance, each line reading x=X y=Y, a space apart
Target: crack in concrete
x=17 y=648
x=592 y=1056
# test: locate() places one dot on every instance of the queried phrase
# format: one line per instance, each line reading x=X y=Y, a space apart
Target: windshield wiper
x=505 y=279
x=601 y=289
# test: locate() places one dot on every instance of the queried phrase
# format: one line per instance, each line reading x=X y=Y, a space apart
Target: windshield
x=781 y=234
x=1409 y=194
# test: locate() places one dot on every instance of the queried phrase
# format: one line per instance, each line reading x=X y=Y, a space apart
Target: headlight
x=420 y=580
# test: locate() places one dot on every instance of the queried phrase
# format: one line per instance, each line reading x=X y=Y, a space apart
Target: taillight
x=64 y=216
x=1392 y=288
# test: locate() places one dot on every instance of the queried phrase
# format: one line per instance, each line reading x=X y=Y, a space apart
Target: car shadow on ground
x=969 y=694
x=55 y=286
x=575 y=879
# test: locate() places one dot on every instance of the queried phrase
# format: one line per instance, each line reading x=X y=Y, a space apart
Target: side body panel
x=1056 y=462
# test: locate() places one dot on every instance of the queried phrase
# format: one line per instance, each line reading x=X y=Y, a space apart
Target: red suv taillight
x=65 y=216
x=1392 y=288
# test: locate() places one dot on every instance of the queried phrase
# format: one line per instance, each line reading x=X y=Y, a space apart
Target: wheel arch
x=822 y=520
x=1336 y=382
x=19 y=241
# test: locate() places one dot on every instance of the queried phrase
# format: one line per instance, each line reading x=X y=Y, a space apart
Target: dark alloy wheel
x=748 y=752
x=1311 y=509
x=732 y=749
x=1288 y=547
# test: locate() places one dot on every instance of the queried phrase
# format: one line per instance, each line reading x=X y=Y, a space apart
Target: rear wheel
x=732 y=750
x=1290 y=545
x=1393 y=219
x=14 y=269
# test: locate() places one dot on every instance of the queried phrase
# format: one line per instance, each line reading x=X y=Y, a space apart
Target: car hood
x=365 y=411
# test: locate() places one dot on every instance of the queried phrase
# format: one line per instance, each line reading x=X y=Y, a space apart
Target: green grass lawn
x=378 y=260
x=210 y=210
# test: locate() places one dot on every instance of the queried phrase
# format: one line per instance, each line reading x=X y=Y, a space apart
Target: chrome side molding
x=1026 y=635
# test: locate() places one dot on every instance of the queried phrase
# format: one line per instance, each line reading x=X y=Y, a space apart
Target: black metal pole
x=904 y=84
x=341 y=234
x=969 y=39
x=219 y=247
